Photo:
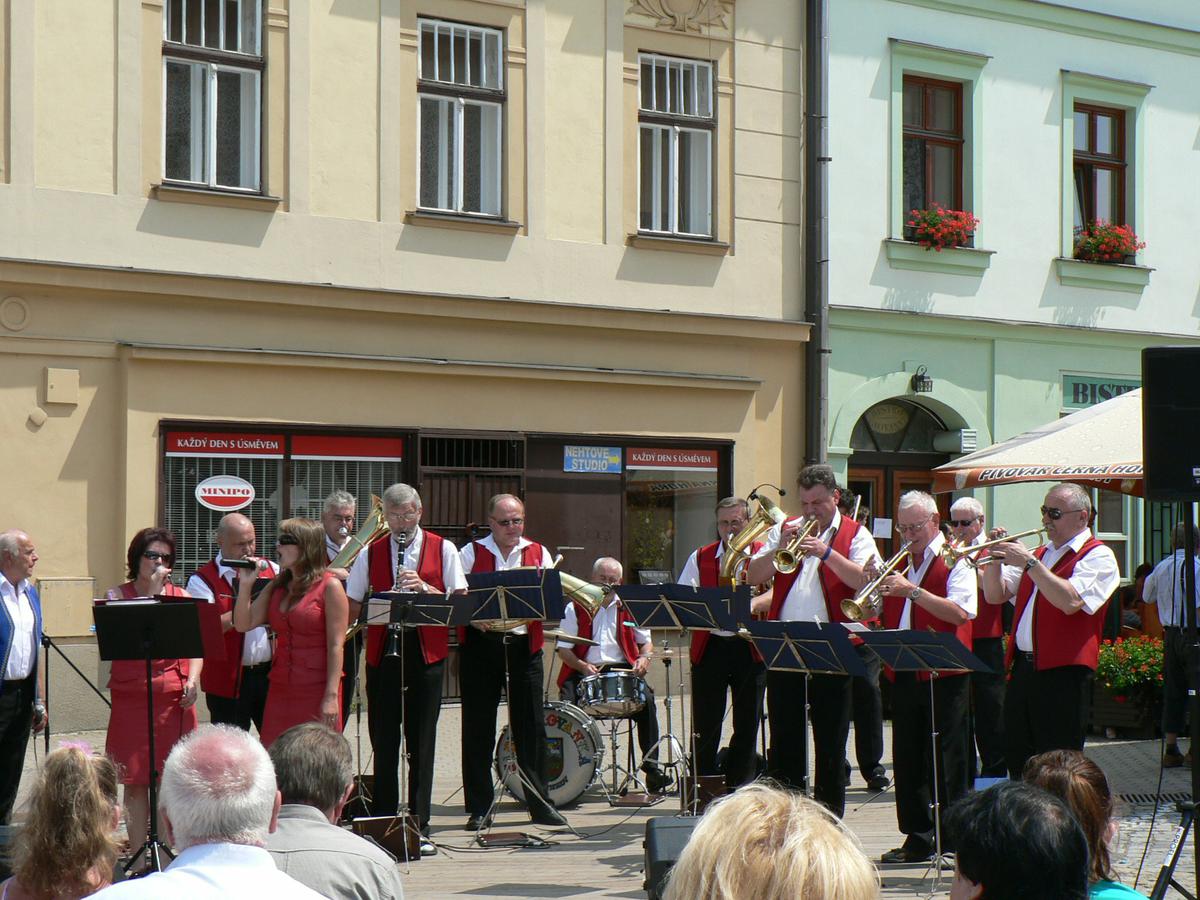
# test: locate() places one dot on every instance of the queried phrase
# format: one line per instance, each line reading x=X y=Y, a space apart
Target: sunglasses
x=962 y=523
x=504 y=523
x=156 y=556
x=287 y=540
x=1053 y=513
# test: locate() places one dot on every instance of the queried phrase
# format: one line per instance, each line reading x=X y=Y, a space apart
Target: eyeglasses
x=410 y=516
x=156 y=556
x=1053 y=513
x=912 y=529
x=962 y=523
x=504 y=523
x=287 y=540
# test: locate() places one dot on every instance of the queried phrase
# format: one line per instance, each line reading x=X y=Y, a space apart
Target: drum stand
x=630 y=774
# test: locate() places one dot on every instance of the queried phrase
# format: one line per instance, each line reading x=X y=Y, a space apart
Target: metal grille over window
x=675 y=135
x=461 y=126
x=314 y=480
x=212 y=77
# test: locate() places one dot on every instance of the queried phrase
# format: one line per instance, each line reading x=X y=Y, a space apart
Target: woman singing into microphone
x=150 y=558
x=306 y=607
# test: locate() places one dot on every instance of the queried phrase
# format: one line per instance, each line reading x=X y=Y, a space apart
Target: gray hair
x=313 y=765
x=399 y=494
x=608 y=561
x=920 y=500
x=218 y=786
x=731 y=502
x=1082 y=498
x=10 y=543
x=497 y=499
x=339 y=498
x=969 y=505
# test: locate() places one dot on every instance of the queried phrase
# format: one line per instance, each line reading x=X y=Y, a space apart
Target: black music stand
x=931 y=652
x=149 y=628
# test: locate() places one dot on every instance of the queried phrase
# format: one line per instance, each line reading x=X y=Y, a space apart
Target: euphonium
x=736 y=557
x=868 y=602
x=584 y=593
x=373 y=528
x=788 y=558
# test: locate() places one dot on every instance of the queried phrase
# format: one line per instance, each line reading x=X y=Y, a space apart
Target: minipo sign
x=225 y=493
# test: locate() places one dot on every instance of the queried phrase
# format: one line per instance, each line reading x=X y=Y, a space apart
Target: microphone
x=240 y=563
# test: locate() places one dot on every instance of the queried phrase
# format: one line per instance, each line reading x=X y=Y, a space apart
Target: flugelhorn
x=868 y=602
x=952 y=553
x=788 y=558
x=736 y=555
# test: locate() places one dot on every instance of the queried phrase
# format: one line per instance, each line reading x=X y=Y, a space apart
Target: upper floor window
x=212 y=110
x=675 y=145
x=461 y=118
x=933 y=143
x=1099 y=165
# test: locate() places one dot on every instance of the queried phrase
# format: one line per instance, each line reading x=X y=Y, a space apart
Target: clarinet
x=393 y=642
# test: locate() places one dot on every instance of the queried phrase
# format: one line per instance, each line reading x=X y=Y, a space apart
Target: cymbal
x=573 y=638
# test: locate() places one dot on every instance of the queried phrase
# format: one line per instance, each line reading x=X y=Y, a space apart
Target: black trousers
x=1043 y=711
x=987 y=715
x=868 y=715
x=728 y=665
x=1177 y=664
x=482 y=669
x=16 y=719
x=351 y=651
x=248 y=705
x=828 y=697
x=645 y=719
x=912 y=752
x=404 y=691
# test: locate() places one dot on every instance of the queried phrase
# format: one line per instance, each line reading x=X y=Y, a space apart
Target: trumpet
x=953 y=552
x=788 y=557
x=868 y=602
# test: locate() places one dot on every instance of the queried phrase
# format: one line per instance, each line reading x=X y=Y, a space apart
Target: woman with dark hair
x=150 y=558
x=67 y=846
x=307 y=609
x=1072 y=777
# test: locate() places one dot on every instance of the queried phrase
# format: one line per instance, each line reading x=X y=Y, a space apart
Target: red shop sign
x=359 y=449
x=224 y=444
x=660 y=458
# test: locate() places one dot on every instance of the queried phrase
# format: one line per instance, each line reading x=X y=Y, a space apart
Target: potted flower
x=1102 y=241
x=1128 y=689
x=937 y=227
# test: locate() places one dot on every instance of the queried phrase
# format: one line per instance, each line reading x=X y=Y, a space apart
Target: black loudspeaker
x=1171 y=423
x=666 y=837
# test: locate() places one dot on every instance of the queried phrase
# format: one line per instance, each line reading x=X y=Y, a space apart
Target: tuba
x=737 y=549
x=373 y=528
x=868 y=602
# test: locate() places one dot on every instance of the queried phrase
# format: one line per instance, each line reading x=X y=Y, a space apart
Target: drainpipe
x=816 y=229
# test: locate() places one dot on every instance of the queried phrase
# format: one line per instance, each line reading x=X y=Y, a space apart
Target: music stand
x=149 y=628
x=932 y=652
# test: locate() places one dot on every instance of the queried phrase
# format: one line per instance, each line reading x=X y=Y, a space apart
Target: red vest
x=834 y=589
x=1058 y=639
x=710 y=573
x=486 y=562
x=626 y=639
x=435 y=639
x=936 y=581
x=222 y=677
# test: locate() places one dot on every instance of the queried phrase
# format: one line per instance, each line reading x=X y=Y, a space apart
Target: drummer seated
x=620 y=646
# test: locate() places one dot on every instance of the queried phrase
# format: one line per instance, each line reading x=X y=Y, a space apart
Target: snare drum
x=612 y=695
x=573 y=754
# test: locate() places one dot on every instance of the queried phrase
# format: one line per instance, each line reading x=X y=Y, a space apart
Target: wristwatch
x=1030 y=563
x=914 y=593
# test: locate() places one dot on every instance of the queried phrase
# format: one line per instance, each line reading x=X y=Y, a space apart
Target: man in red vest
x=337 y=518
x=831 y=571
x=405 y=674
x=235 y=688
x=927 y=596
x=485 y=657
x=722 y=661
x=1059 y=590
x=621 y=646
x=987 y=643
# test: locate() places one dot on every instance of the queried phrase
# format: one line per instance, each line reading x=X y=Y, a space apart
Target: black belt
x=16 y=684
x=257 y=666
x=1026 y=655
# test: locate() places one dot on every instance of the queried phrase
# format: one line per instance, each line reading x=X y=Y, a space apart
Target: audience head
x=218 y=786
x=313 y=767
x=73 y=813
x=1015 y=841
x=1072 y=777
x=771 y=844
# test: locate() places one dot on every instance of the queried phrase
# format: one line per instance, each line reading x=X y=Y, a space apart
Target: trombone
x=789 y=557
x=952 y=553
x=868 y=602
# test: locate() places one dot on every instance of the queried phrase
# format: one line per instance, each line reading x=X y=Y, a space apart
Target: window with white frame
x=212 y=93
x=461 y=118
x=675 y=146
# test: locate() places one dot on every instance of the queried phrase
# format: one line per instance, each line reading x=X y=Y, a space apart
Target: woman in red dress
x=150 y=558
x=306 y=607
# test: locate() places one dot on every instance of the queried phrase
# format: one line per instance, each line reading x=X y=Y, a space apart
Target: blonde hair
x=771 y=844
x=69 y=830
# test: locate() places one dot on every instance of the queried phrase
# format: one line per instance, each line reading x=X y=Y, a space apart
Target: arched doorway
x=894 y=451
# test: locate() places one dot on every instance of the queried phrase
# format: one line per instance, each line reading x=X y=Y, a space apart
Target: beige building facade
x=544 y=246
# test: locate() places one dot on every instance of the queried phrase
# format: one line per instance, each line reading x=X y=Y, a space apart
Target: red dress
x=127 y=743
x=298 y=671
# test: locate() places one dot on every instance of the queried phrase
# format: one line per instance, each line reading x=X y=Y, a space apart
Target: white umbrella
x=1100 y=446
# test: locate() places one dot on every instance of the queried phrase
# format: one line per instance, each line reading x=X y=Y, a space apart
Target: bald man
x=235 y=688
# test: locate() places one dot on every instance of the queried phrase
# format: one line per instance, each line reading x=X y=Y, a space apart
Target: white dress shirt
x=1164 y=586
x=256 y=648
x=805 y=602
x=358 y=585
x=962 y=587
x=19 y=609
x=332 y=547
x=503 y=563
x=1095 y=578
x=604 y=630
x=691 y=574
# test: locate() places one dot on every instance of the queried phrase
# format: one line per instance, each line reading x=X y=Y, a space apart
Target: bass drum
x=574 y=754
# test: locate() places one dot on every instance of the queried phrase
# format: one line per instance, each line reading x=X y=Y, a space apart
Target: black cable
x=1162 y=746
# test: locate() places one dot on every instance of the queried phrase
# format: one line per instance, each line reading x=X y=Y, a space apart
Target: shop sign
x=214 y=444
x=347 y=448
x=225 y=493
x=1082 y=391
x=593 y=460
x=660 y=458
